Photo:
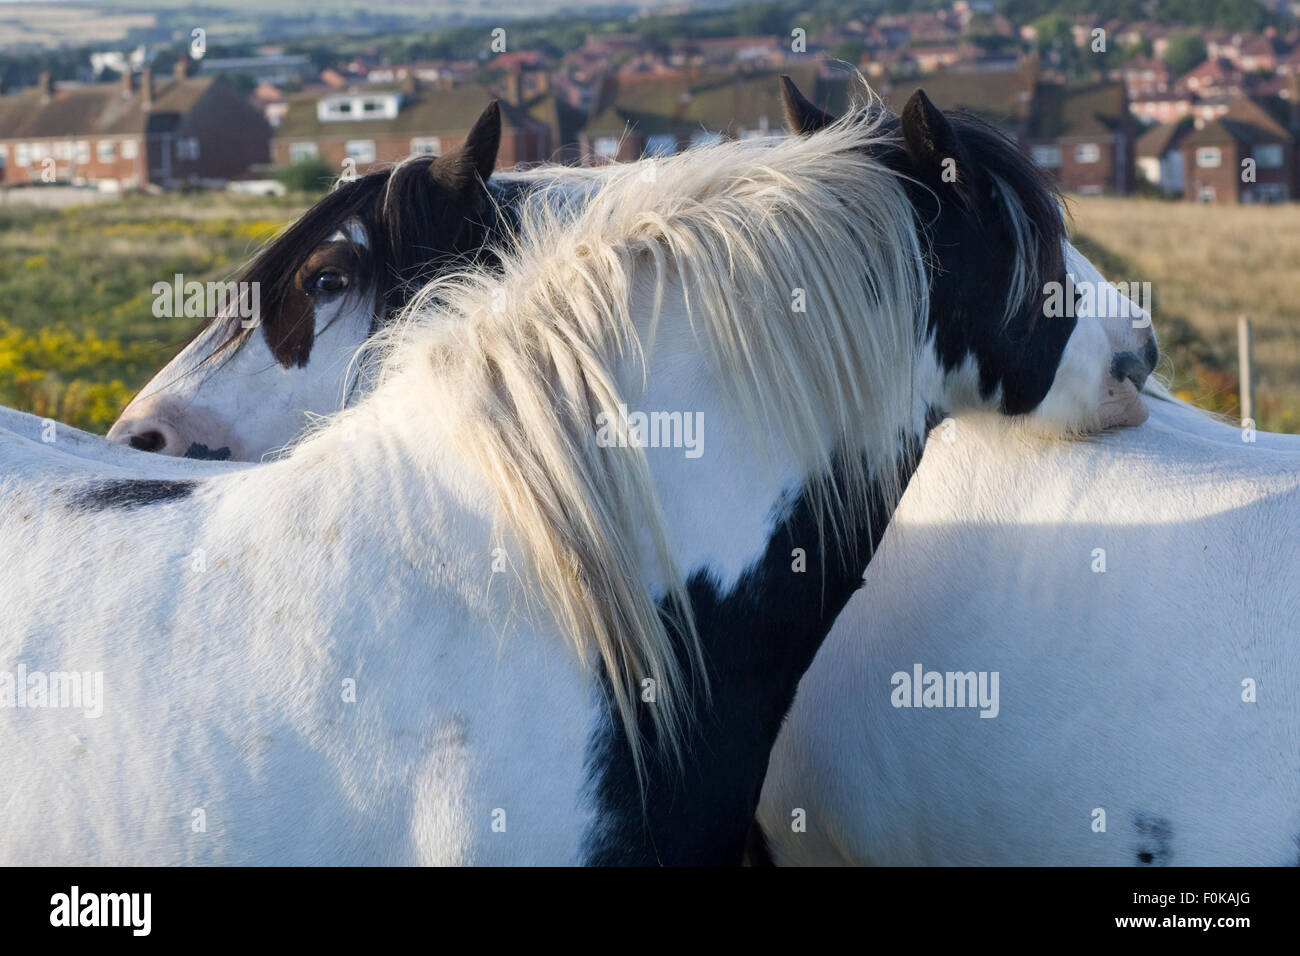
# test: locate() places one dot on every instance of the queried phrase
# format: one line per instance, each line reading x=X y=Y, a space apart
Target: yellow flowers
x=54 y=373
x=77 y=331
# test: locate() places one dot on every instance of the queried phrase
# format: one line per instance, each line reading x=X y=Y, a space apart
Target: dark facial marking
x=334 y=269
x=203 y=453
x=973 y=244
x=952 y=164
x=131 y=493
x=419 y=217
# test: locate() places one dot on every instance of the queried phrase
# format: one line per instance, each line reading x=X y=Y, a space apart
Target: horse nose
x=1128 y=366
x=1151 y=352
x=145 y=434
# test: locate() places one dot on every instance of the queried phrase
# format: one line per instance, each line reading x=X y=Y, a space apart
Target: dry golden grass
x=1207 y=265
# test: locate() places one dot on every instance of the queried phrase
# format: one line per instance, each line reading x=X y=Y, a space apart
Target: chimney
x=47 y=84
x=544 y=82
x=146 y=89
x=410 y=84
x=184 y=66
x=127 y=86
x=513 y=88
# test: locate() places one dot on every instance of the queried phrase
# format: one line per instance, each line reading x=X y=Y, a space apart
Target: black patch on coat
x=758 y=639
x=202 y=452
x=756 y=850
x=132 y=493
x=1154 y=839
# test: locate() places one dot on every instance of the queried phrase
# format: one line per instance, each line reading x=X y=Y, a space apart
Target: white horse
x=1138 y=597
x=313 y=660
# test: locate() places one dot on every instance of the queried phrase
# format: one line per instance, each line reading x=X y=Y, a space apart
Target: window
x=362 y=150
x=22 y=155
x=1049 y=157
x=606 y=147
x=426 y=146
x=63 y=150
x=352 y=107
x=106 y=150
x=1207 y=157
x=130 y=149
x=300 y=152
x=81 y=151
x=1087 y=153
x=661 y=145
x=1268 y=193
x=1268 y=156
x=187 y=147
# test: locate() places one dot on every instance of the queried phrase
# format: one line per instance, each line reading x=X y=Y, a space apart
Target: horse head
x=245 y=385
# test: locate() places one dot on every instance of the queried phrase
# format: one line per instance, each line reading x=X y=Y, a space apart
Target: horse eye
x=329 y=282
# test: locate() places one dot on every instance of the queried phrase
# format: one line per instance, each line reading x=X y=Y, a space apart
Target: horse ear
x=801 y=117
x=931 y=142
x=477 y=155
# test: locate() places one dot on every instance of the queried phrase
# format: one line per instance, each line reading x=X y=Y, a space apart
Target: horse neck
x=765 y=591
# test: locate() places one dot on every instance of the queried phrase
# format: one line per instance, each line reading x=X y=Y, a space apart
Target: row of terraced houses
x=191 y=129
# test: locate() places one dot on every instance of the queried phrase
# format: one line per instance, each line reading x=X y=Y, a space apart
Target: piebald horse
x=833 y=768
x=454 y=625
x=1138 y=598
x=243 y=388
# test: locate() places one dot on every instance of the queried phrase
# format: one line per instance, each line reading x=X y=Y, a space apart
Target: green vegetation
x=78 y=335
x=77 y=332
x=1185 y=51
x=307 y=176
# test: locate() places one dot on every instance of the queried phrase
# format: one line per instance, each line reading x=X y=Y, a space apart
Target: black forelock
x=415 y=224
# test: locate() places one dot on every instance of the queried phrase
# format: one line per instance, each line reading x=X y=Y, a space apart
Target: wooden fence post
x=1246 y=366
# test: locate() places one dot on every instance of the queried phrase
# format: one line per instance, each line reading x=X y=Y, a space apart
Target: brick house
x=378 y=125
x=1215 y=156
x=137 y=132
x=1166 y=107
x=664 y=113
x=1083 y=133
x=1160 y=155
x=1214 y=77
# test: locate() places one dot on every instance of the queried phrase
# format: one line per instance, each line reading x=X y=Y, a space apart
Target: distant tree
x=850 y=50
x=1185 y=51
x=307 y=175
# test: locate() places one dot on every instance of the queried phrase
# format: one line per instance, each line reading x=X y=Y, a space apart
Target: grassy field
x=77 y=331
x=78 y=337
x=1207 y=265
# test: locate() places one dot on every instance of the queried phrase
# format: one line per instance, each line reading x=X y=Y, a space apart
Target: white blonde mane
x=731 y=235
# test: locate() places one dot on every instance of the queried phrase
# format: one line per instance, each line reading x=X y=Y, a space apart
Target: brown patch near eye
x=291 y=328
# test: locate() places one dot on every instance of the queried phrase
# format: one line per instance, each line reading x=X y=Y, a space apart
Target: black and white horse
x=511 y=606
x=245 y=386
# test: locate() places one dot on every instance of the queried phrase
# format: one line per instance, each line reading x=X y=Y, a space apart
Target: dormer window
x=358 y=106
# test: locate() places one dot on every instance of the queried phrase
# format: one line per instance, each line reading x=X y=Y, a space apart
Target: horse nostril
x=1127 y=366
x=148 y=441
